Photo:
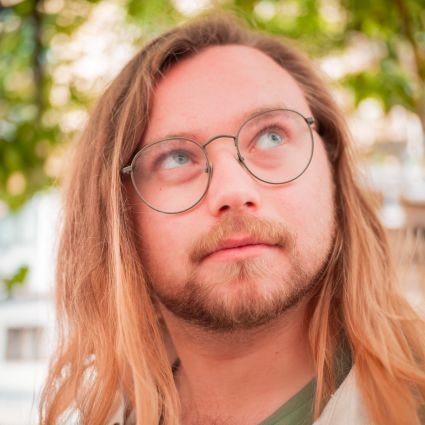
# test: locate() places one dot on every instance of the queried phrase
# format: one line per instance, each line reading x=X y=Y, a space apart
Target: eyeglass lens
x=173 y=175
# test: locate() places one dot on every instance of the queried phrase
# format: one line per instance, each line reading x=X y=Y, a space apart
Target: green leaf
x=17 y=279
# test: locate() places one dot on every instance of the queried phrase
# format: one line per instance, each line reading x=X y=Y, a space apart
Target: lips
x=237 y=237
x=236 y=243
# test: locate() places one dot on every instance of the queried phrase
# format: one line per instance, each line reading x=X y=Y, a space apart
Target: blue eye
x=175 y=159
x=268 y=140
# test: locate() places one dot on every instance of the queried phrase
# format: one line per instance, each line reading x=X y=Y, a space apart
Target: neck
x=227 y=371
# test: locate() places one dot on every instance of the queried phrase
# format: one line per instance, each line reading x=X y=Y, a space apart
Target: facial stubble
x=245 y=294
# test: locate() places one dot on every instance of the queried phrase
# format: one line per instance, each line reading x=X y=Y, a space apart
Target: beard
x=245 y=294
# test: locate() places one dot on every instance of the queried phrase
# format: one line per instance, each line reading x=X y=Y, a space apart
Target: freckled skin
x=206 y=95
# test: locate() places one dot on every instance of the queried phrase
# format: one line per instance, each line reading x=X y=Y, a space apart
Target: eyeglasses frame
x=128 y=170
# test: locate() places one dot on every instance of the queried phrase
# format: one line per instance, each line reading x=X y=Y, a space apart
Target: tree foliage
x=28 y=131
x=17 y=279
x=38 y=96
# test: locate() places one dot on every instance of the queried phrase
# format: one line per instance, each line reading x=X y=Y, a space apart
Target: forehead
x=215 y=89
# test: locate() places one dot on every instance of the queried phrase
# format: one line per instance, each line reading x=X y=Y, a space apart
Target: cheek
x=309 y=205
x=150 y=225
x=318 y=182
x=320 y=195
x=163 y=241
x=152 y=232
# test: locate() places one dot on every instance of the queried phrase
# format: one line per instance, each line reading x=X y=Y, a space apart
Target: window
x=25 y=343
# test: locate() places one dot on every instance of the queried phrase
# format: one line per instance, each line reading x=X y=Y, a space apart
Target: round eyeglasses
x=172 y=175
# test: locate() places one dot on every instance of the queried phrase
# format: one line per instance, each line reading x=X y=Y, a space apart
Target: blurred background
x=57 y=56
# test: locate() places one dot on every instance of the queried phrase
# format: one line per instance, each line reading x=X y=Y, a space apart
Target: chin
x=238 y=299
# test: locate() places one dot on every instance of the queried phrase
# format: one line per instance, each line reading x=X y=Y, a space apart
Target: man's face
x=249 y=250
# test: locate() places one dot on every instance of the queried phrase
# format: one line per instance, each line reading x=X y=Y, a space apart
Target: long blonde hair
x=110 y=339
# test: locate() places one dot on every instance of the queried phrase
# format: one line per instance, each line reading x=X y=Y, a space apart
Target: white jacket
x=344 y=408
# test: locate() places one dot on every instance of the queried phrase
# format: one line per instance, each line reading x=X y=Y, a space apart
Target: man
x=218 y=262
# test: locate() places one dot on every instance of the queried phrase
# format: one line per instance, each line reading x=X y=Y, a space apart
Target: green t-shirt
x=298 y=410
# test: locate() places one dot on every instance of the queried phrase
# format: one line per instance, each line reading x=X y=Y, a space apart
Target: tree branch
x=407 y=26
x=419 y=62
x=38 y=67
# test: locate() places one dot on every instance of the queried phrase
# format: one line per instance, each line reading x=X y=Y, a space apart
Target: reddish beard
x=235 y=295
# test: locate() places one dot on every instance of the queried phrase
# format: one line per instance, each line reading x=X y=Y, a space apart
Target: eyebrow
x=192 y=134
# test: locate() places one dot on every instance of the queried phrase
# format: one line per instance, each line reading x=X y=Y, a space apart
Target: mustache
x=259 y=229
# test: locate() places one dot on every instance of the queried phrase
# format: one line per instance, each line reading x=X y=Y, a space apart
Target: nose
x=232 y=188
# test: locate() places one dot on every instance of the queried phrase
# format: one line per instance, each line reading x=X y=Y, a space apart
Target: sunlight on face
x=249 y=250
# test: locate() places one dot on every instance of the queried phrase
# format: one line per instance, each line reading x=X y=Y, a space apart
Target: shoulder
x=345 y=406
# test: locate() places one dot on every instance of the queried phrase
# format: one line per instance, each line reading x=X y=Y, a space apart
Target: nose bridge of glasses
x=223 y=136
x=217 y=137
